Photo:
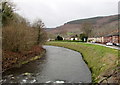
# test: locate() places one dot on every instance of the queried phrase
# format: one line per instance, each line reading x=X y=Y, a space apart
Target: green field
x=98 y=58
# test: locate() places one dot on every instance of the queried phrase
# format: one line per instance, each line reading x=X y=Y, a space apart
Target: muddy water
x=58 y=65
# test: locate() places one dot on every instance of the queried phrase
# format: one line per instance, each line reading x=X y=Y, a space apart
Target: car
x=109 y=43
x=117 y=44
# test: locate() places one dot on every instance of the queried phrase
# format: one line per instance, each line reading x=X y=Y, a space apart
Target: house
x=113 y=38
x=67 y=38
x=74 y=37
x=97 y=39
x=116 y=38
x=92 y=40
x=108 y=38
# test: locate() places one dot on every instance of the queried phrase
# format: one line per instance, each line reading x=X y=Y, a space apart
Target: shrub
x=59 y=38
x=18 y=37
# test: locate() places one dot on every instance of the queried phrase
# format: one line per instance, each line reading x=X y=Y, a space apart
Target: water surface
x=58 y=64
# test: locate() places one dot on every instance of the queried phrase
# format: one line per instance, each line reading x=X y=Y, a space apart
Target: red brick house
x=107 y=38
x=116 y=38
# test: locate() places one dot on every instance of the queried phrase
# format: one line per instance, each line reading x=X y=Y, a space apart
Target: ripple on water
x=23 y=78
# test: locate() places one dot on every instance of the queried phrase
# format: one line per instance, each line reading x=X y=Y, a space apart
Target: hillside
x=80 y=21
x=102 y=26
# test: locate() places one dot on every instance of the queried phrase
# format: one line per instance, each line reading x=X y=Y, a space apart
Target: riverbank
x=16 y=59
x=102 y=61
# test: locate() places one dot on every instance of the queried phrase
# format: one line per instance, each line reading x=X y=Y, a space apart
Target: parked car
x=117 y=44
x=109 y=43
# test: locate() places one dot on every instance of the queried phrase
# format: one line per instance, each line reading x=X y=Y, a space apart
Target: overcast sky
x=57 y=12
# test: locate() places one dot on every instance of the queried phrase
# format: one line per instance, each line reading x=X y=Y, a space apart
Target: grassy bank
x=99 y=58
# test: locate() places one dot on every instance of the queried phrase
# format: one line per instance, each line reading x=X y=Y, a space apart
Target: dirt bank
x=16 y=59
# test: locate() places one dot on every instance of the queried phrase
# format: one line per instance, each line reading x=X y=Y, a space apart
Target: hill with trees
x=102 y=26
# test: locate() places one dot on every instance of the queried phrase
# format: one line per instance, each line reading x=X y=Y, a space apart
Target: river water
x=58 y=65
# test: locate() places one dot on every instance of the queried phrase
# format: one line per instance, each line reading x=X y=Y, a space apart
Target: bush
x=39 y=26
x=83 y=37
x=18 y=37
x=59 y=38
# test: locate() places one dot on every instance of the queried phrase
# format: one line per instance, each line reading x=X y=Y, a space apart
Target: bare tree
x=18 y=35
x=42 y=35
x=87 y=28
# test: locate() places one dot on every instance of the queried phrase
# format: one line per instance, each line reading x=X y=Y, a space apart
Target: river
x=57 y=65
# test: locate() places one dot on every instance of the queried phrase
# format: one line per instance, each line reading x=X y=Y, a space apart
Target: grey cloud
x=57 y=12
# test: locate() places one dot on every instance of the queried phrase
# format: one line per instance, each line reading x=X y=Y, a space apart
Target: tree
x=83 y=37
x=87 y=29
x=17 y=34
x=41 y=34
x=7 y=12
x=59 y=38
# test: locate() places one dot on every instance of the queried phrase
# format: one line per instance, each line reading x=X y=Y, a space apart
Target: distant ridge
x=80 y=21
x=103 y=25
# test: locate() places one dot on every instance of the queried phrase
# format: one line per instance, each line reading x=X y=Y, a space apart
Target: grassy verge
x=98 y=58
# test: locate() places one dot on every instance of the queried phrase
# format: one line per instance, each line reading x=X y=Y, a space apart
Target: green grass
x=98 y=58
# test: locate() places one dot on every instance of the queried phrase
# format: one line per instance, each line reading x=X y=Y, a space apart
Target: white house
x=74 y=38
x=71 y=38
